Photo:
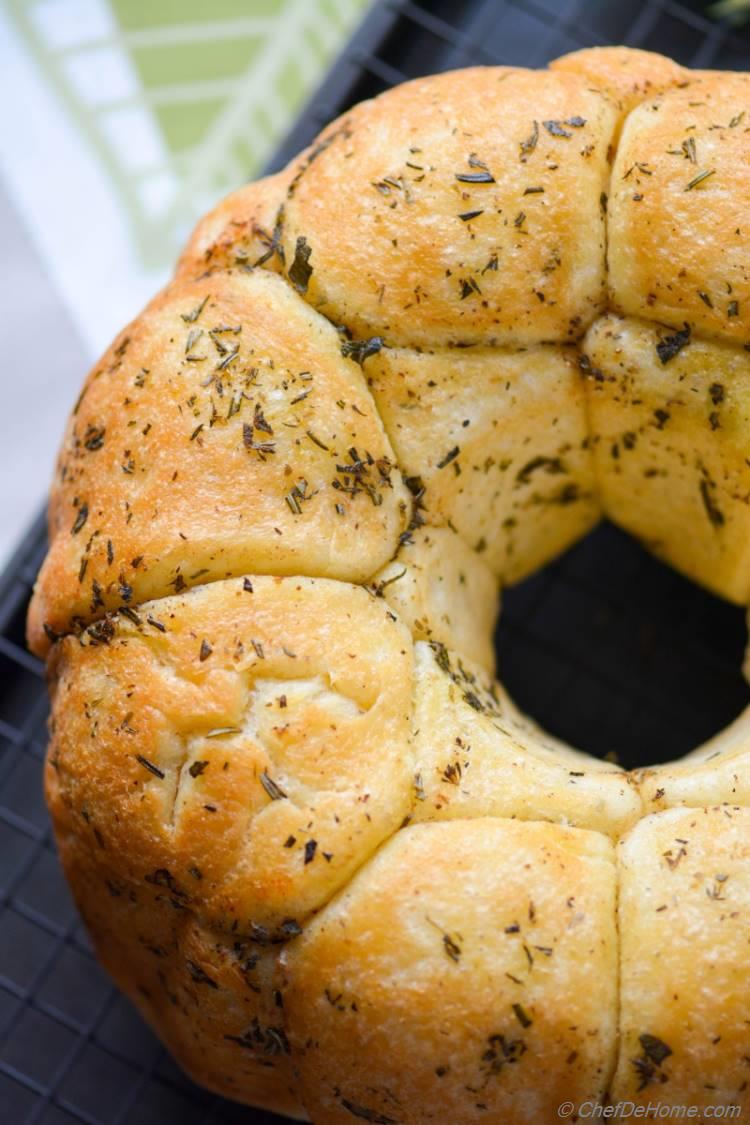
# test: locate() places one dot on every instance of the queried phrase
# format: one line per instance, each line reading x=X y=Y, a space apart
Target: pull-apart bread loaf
x=334 y=866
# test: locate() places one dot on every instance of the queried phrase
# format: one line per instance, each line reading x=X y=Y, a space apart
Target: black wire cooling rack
x=606 y=647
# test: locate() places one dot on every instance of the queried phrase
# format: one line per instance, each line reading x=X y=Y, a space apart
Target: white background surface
x=43 y=361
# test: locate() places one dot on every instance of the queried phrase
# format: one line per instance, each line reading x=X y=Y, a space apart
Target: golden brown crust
x=443 y=591
x=241 y=231
x=321 y=849
x=482 y=225
x=669 y=418
x=627 y=75
x=677 y=209
x=498 y=439
x=684 y=920
x=491 y=958
x=223 y=434
x=249 y=738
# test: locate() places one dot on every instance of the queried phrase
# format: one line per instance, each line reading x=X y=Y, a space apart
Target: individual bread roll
x=464 y=208
x=490 y=960
x=684 y=921
x=241 y=232
x=247 y=742
x=628 y=76
x=670 y=418
x=677 y=209
x=499 y=442
x=224 y=433
x=474 y=757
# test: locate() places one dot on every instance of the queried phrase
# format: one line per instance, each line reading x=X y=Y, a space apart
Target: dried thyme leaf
x=468 y=286
x=475 y=177
x=199 y=975
x=714 y=513
x=150 y=766
x=191 y=317
x=451 y=455
x=94 y=438
x=552 y=465
x=654 y=1048
x=81 y=517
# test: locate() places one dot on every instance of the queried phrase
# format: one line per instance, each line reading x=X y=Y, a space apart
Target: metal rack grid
x=605 y=647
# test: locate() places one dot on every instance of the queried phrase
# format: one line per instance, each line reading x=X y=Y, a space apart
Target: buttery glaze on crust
x=678 y=225
x=242 y=738
x=433 y=219
x=499 y=442
x=241 y=232
x=313 y=839
x=627 y=76
x=684 y=923
x=670 y=446
x=480 y=989
x=224 y=433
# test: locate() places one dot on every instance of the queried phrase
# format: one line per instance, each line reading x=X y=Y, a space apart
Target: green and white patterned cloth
x=129 y=118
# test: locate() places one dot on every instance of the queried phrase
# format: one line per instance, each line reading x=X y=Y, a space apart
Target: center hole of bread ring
x=619 y=655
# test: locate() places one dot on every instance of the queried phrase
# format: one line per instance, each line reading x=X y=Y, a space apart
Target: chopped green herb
x=552 y=465
x=94 y=438
x=150 y=766
x=521 y=1016
x=451 y=455
x=668 y=347
x=192 y=316
x=300 y=270
x=555 y=129
x=81 y=516
x=199 y=975
x=360 y=350
x=272 y=788
x=468 y=286
x=714 y=513
x=475 y=177
x=699 y=179
x=530 y=143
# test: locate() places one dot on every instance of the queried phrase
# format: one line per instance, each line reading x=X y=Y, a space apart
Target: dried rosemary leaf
x=300 y=270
